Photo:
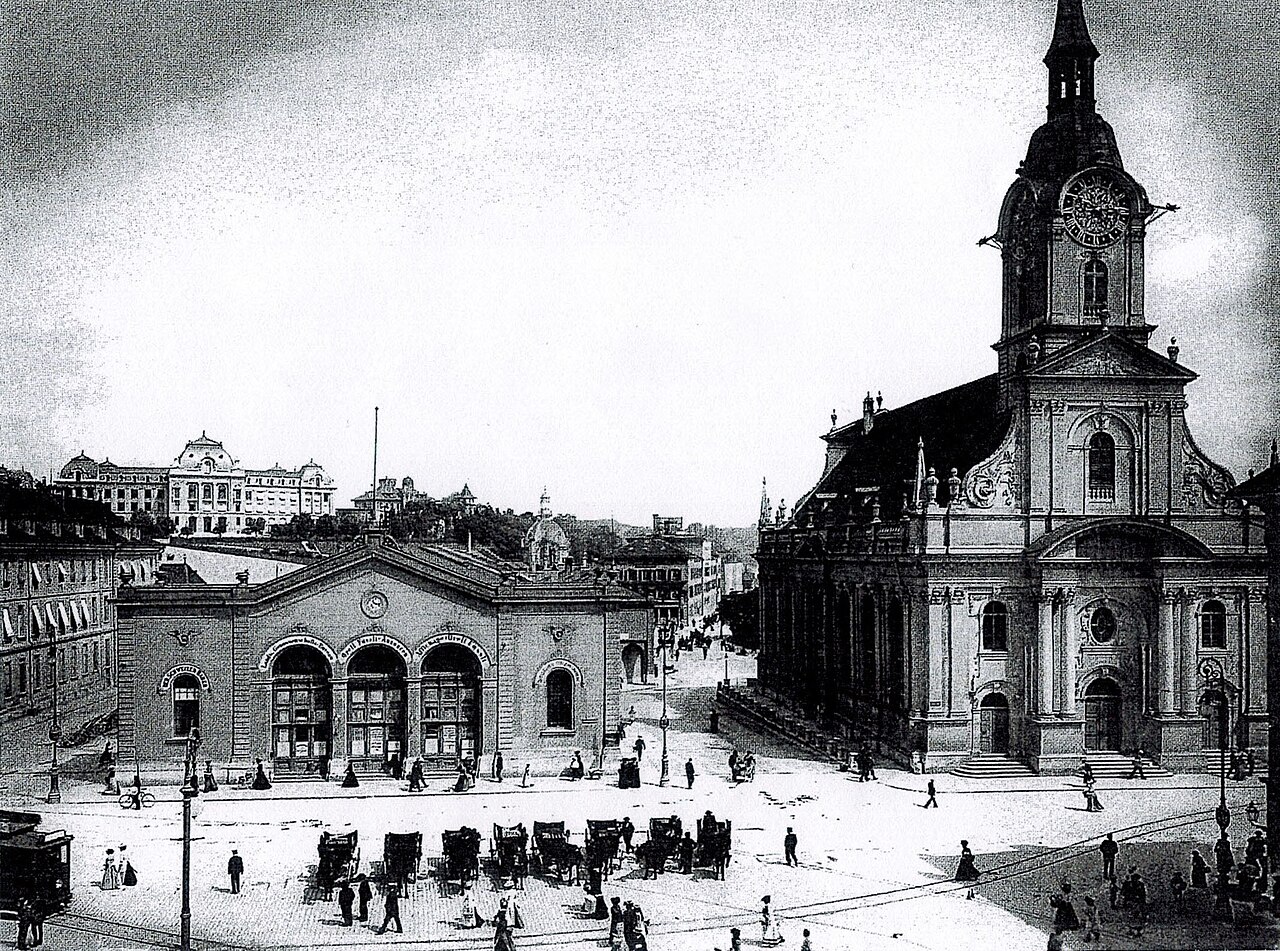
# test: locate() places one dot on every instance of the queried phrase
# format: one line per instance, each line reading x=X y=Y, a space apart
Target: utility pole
x=55 y=726
x=664 y=723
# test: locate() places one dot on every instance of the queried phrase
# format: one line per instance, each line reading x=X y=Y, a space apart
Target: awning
x=37 y=621
x=62 y=615
x=37 y=576
x=8 y=626
x=84 y=613
x=51 y=615
x=62 y=571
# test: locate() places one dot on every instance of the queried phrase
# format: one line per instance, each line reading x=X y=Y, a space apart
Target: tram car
x=35 y=863
x=339 y=859
x=401 y=856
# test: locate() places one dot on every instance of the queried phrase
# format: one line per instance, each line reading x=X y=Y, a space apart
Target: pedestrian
x=1248 y=761
x=260 y=780
x=638 y=746
x=733 y=762
x=639 y=940
x=933 y=796
x=769 y=933
x=235 y=869
x=470 y=914
x=128 y=877
x=1226 y=858
x=397 y=766
x=497 y=766
x=1138 y=902
x=1086 y=773
x=503 y=940
x=1137 y=772
x=706 y=645
x=365 y=894
x=1113 y=892
x=789 y=842
x=25 y=911
x=510 y=910
x=111 y=784
x=628 y=830
x=1256 y=848
x=1092 y=926
x=210 y=783
x=871 y=766
x=106 y=758
x=110 y=872
x=346 y=898
x=415 y=775
x=860 y=759
x=615 y=923
x=629 y=929
x=576 y=769
x=1199 y=870
x=1109 y=850
x=686 y=854
x=349 y=781
x=966 y=871
x=735 y=939
x=1177 y=886
x=392 y=911
x=322 y=767
x=1064 y=911
x=524 y=780
x=688 y=771
x=805 y=943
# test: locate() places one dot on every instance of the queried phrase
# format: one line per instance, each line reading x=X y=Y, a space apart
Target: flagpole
x=375 y=467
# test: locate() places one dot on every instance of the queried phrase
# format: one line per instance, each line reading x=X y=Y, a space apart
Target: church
x=1039 y=565
x=380 y=650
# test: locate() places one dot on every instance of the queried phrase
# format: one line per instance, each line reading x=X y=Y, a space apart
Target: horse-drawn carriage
x=604 y=840
x=510 y=853
x=662 y=844
x=461 y=855
x=715 y=842
x=339 y=859
x=552 y=849
x=744 y=768
x=401 y=855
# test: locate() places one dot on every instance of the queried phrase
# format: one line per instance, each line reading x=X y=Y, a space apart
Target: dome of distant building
x=546 y=542
x=197 y=451
x=81 y=467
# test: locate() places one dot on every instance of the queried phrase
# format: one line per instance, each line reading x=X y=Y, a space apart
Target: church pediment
x=1110 y=355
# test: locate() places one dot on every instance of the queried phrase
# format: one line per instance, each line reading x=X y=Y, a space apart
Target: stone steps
x=1107 y=765
x=991 y=766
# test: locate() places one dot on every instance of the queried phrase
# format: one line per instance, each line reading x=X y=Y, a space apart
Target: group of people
x=117 y=871
x=865 y=764
x=742 y=766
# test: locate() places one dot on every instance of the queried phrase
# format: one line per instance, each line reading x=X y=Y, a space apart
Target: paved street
x=875 y=869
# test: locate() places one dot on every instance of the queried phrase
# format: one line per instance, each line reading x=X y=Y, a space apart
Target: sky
x=635 y=252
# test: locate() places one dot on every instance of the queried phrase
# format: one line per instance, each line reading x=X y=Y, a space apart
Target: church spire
x=1070 y=60
x=766 y=510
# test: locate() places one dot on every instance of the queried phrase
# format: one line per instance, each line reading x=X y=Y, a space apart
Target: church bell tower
x=1073 y=224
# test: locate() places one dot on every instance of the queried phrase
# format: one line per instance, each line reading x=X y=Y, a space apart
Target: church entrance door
x=994 y=733
x=1102 y=716
x=451 y=714
x=375 y=707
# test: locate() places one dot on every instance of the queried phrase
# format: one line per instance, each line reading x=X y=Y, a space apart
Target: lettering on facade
x=307 y=640
x=179 y=670
x=561 y=664
x=370 y=638
x=452 y=637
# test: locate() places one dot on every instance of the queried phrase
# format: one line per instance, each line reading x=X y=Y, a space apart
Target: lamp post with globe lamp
x=189 y=791
x=1214 y=702
x=665 y=637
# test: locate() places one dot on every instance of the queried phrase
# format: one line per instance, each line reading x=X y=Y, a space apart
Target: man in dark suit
x=392 y=912
x=235 y=868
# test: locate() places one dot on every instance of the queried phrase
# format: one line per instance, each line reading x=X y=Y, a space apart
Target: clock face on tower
x=1094 y=209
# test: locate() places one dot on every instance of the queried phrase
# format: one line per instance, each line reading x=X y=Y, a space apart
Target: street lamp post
x=663 y=641
x=725 y=647
x=55 y=727
x=189 y=792
x=1216 y=694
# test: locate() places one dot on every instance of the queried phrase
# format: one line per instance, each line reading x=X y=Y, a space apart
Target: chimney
x=242 y=577
x=879 y=400
x=868 y=412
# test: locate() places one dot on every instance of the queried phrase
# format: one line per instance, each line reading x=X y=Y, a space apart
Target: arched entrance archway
x=451 y=714
x=376 y=698
x=1211 y=702
x=633 y=663
x=993 y=713
x=301 y=709
x=1102 y=715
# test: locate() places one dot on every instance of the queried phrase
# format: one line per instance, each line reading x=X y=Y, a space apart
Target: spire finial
x=1070 y=60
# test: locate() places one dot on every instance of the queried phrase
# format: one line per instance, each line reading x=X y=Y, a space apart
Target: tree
x=326 y=526
x=740 y=611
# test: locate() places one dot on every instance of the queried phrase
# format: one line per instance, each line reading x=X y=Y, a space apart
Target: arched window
x=1213 y=625
x=560 y=699
x=1102 y=468
x=186 y=704
x=995 y=627
x=1095 y=288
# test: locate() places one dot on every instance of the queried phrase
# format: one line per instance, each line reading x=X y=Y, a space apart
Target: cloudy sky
x=634 y=251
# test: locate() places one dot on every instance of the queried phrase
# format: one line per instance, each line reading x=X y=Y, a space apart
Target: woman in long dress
x=966 y=871
x=470 y=917
x=769 y=933
x=110 y=872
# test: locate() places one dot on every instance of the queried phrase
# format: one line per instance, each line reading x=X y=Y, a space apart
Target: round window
x=1102 y=625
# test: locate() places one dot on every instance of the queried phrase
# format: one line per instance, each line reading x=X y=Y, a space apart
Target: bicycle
x=132 y=801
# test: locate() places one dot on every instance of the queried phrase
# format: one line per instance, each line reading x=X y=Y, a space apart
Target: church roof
x=651 y=548
x=960 y=427
x=1261 y=487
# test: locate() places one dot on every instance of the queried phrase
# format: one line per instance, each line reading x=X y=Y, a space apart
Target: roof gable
x=1110 y=355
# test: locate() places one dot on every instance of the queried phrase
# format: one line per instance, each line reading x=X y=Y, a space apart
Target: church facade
x=380 y=650
x=1041 y=563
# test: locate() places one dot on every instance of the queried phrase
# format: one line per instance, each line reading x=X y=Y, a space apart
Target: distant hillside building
x=546 y=544
x=205 y=491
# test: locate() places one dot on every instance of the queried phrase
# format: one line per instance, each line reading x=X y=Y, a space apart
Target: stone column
x=1071 y=651
x=1168 y=638
x=936 y=639
x=412 y=719
x=1190 y=675
x=1044 y=656
x=338 y=738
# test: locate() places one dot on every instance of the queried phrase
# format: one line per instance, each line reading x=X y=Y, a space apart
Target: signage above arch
x=451 y=637
x=293 y=640
x=370 y=639
x=558 y=663
x=179 y=670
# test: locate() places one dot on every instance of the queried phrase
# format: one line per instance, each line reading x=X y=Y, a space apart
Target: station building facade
x=1041 y=563
x=379 y=650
